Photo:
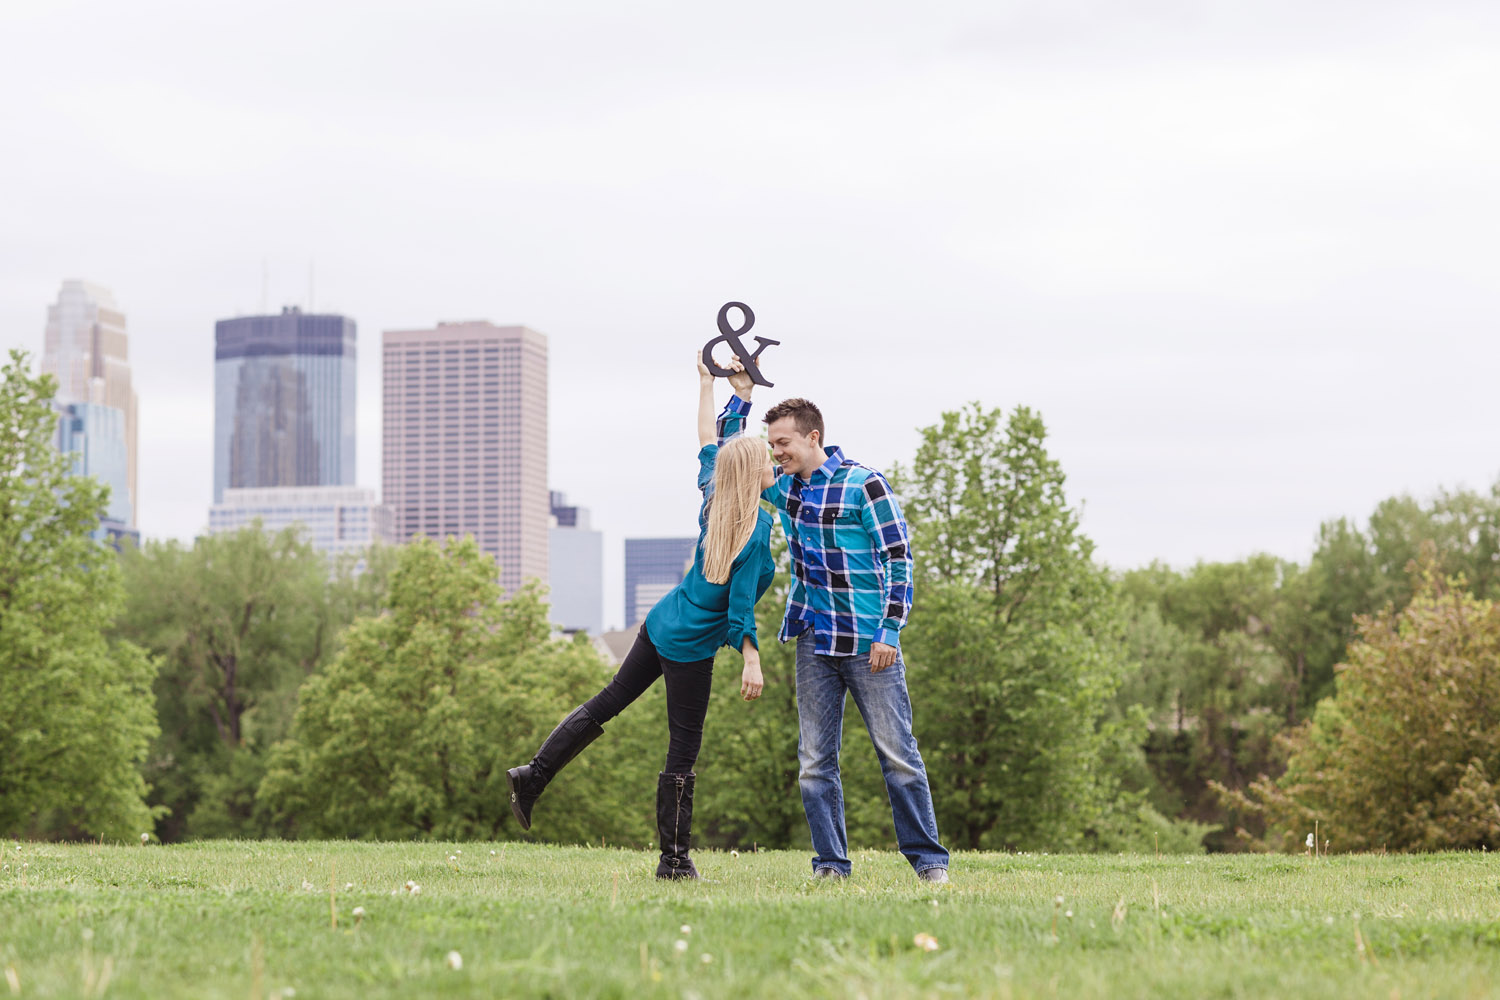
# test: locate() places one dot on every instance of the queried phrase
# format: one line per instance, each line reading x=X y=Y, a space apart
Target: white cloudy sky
x=1242 y=256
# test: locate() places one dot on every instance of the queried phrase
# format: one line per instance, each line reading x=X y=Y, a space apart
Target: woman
x=713 y=606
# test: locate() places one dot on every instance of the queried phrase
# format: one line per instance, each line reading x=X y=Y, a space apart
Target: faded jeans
x=883 y=701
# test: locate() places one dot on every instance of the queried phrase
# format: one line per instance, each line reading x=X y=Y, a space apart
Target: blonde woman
x=713 y=606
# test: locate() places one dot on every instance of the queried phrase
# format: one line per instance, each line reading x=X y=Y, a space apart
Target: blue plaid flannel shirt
x=850 y=548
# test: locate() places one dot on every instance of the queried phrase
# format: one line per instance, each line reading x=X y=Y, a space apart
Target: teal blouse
x=696 y=617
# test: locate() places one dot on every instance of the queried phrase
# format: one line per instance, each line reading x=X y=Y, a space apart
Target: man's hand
x=881 y=656
x=751 y=682
x=741 y=381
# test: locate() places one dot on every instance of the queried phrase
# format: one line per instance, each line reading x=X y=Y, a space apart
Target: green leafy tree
x=1016 y=644
x=1406 y=754
x=409 y=731
x=238 y=621
x=75 y=708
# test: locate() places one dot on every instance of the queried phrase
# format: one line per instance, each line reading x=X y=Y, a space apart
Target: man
x=850 y=597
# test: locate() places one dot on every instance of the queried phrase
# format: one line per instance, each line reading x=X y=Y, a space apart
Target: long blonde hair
x=735 y=505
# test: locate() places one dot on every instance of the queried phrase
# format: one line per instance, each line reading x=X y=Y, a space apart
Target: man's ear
x=816 y=437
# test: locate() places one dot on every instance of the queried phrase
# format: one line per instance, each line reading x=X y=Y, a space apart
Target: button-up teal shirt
x=696 y=617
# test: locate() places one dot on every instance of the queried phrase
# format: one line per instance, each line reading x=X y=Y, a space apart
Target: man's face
x=797 y=453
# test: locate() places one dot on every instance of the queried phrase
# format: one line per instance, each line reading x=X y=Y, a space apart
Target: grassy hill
x=254 y=920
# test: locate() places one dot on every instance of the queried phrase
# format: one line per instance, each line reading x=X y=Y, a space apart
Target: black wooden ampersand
x=729 y=335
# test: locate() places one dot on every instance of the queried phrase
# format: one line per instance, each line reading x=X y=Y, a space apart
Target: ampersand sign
x=729 y=335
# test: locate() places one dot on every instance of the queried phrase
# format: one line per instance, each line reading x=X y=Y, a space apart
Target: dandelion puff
x=348 y=886
x=359 y=914
x=686 y=930
x=734 y=854
x=1310 y=841
x=1068 y=914
x=460 y=852
x=1059 y=901
x=454 y=960
x=306 y=885
x=452 y=857
x=680 y=945
x=926 y=942
x=288 y=992
x=492 y=854
x=145 y=839
x=706 y=958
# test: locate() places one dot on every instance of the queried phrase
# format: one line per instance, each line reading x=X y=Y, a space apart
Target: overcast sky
x=1243 y=257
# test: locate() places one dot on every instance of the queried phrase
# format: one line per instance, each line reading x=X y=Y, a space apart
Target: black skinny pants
x=687 y=684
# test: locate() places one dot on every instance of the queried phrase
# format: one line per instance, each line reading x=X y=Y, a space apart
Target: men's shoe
x=826 y=872
x=938 y=876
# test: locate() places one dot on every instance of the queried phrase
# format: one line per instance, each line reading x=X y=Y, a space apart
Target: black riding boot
x=674 y=821
x=527 y=781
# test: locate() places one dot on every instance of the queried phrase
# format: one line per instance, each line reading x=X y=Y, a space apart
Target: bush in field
x=1406 y=754
x=409 y=731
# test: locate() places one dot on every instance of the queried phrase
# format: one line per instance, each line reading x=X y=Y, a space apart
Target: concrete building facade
x=464 y=443
x=337 y=520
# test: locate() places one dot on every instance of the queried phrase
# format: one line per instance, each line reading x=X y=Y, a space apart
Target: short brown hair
x=803 y=412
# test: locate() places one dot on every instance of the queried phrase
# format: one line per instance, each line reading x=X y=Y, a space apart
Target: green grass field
x=249 y=920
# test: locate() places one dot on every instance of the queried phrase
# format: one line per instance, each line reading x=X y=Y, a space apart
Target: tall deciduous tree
x=75 y=708
x=1016 y=644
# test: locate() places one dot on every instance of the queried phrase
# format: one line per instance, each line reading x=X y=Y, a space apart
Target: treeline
x=238 y=688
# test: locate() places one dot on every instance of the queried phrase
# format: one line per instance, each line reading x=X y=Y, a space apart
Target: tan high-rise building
x=86 y=350
x=464 y=443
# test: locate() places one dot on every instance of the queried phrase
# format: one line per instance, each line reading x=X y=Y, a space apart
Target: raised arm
x=705 y=405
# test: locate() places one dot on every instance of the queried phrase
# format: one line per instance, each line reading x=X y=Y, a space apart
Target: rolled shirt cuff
x=888 y=634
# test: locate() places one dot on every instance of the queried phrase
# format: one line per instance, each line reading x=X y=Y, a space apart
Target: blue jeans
x=886 y=707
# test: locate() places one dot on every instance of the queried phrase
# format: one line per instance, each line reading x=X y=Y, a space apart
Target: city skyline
x=1193 y=237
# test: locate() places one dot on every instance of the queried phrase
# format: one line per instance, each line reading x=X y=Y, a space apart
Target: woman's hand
x=705 y=377
x=751 y=682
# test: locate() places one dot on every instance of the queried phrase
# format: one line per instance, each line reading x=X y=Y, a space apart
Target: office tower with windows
x=464 y=443
x=86 y=351
x=575 y=560
x=653 y=566
x=284 y=393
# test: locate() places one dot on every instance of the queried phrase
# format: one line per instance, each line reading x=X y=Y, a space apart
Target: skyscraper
x=86 y=350
x=653 y=566
x=283 y=401
x=575 y=559
x=464 y=446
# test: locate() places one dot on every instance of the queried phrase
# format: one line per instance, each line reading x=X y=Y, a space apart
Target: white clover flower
x=452 y=858
x=460 y=852
x=492 y=854
x=359 y=913
x=680 y=945
x=926 y=942
x=454 y=960
x=1068 y=914
x=306 y=885
x=410 y=885
x=288 y=992
x=686 y=930
x=706 y=958
x=1059 y=901
x=416 y=890
x=348 y=886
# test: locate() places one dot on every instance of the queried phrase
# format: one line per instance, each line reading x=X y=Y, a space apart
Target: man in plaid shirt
x=850 y=596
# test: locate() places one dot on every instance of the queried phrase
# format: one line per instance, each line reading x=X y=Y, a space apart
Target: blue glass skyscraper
x=283 y=401
x=653 y=566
